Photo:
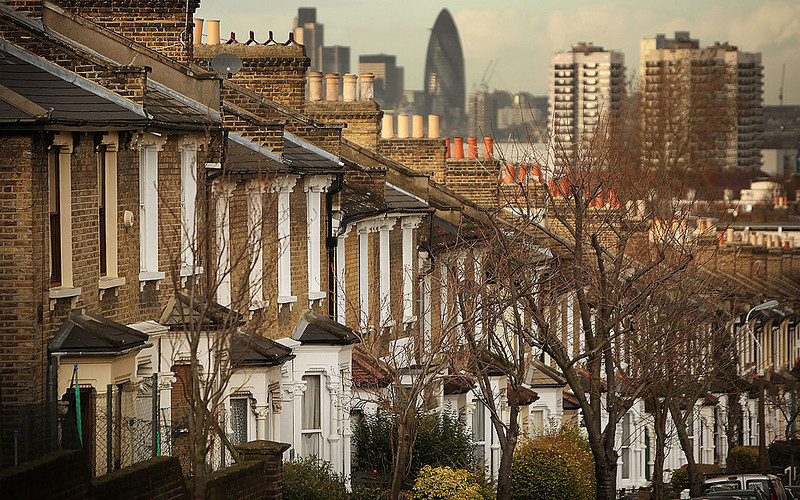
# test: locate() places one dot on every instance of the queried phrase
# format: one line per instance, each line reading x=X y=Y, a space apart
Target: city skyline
x=515 y=30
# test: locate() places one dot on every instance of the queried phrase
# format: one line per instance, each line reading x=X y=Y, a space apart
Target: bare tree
x=206 y=338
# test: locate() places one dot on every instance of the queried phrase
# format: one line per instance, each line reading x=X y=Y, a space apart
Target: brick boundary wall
x=61 y=474
x=64 y=475
x=159 y=477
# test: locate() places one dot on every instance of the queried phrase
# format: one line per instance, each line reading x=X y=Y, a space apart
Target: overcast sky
x=521 y=35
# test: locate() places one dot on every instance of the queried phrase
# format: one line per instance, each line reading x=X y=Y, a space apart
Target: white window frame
x=150 y=145
x=626 y=458
x=341 y=257
x=384 y=282
x=223 y=190
x=315 y=430
x=315 y=185
x=363 y=274
x=255 y=226
x=409 y=224
x=62 y=148
x=284 y=186
x=426 y=303
x=189 y=264
x=109 y=147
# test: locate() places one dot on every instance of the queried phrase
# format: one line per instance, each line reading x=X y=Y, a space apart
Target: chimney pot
x=446 y=147
x=729 y=235
x=458 y=147
x=368 y=87
x=433 y=126
x=387 y=126
x=417 y=127
x=212 y=35
x=332 y=87
x=472 y=147
x=349 y=90
x=537 y=172
x=315 y=86
x=402 y=126
x=488 y=147
x=198 y=31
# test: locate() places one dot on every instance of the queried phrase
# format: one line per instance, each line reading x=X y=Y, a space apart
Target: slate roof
x=180 y=310
x=63 y=97
x=255 y=350
x=315 y=328
x=304 y=156
x=166 y=108
x=87 y=334
x=245 y=157
x=400 y=200
x=358 y=203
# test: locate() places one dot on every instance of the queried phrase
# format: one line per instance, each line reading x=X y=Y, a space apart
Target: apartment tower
x=586 y=85
x=688 y=90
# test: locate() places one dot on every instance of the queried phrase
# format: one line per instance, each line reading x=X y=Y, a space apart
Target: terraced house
x=207 y=237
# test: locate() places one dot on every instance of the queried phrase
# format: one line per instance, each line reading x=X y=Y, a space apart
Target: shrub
x=442 y=483
x=367 y=493
x=557 y=464
x=743 y=459
x=312 y=479
x=680 y=477
x=442 y=440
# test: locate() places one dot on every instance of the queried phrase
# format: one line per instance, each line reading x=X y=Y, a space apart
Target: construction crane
x=487 y=75
x=780 y=93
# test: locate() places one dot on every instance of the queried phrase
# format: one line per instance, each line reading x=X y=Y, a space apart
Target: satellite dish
x=226 y=63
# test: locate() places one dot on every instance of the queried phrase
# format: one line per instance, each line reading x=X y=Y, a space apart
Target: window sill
x=409 y=319
x=286 y=299
x=106 y=283
x=312 y=296
x=64 y=292
x=146 y=276
x=187 y=272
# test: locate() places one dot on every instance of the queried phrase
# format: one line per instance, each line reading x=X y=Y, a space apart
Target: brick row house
x=147 y=200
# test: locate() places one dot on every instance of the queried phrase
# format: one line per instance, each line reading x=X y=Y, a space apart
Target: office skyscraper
x=445 y=90
x=389 y=84
x=335 y=59
x=310 y=33
x=586 y=84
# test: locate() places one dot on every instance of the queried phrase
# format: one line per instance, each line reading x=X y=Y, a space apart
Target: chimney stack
x=387 y=126
x=402 y=126
x=417 y=127
x=367 y=86
x=212 y=37
x=433 y=126
x=332 y=87
x=198 y=31
x=315 y=86
x=349 y=90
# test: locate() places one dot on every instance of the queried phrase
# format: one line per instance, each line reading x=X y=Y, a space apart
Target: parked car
x=793 y=492
x=770 y=484
x=734 y=495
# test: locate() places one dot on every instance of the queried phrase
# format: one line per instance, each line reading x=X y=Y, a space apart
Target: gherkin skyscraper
x=445 y=93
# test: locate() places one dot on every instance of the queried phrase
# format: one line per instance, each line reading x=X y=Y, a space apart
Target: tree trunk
x=695 y=484
x=660 y=429
x=605 y=474
x=734 y=421
x=400 y=461
x=507 y=456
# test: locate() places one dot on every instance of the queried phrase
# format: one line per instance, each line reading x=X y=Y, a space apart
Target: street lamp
x=762 y=432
